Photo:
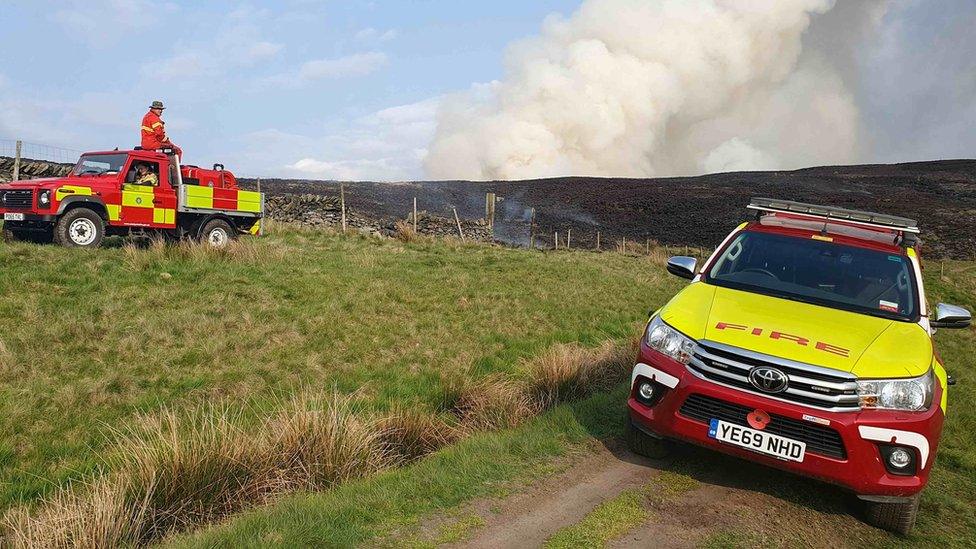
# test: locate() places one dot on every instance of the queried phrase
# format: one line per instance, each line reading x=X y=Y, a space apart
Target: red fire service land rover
x=804 y=343
x=125 y=192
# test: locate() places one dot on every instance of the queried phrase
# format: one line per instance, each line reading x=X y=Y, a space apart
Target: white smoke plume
x=645 y=88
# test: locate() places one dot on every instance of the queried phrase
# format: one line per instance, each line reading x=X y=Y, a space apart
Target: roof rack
x=854 y=217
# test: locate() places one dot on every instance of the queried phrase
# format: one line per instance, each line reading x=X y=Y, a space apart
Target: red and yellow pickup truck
x=124 y=192
x=805 y=342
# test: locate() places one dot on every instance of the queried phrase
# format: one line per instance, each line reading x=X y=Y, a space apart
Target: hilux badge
x=769 y=380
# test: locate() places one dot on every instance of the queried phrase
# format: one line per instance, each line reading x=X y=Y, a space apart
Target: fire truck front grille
x=819 y=439
x=807 y=385
x=17 y=200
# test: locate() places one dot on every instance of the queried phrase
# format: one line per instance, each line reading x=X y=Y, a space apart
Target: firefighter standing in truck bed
x=154 y=130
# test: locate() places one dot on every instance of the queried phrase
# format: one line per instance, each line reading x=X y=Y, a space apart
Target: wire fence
x=38 y=151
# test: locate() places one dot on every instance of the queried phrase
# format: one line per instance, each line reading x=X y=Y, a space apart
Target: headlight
x=897 y=394
x=44 y=198
x=668 y=341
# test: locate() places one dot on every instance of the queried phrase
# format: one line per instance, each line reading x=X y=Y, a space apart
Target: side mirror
x=951 y=317
x=682 y=266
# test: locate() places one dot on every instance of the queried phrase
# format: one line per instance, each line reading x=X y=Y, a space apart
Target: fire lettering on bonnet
x=773 y=334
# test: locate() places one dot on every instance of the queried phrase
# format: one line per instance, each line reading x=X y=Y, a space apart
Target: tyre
x=80 y=228
x=218 y=233
x=8 y=235
x=894 y=517
x=644 y=444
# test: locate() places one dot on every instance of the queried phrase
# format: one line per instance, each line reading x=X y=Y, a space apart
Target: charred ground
x=694 y=211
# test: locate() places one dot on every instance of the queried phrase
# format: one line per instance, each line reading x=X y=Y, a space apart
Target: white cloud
x=359 y=64
x=349 y=66
x=370 y=34
x=103 y=23
x=389 y=144
x=238 y=42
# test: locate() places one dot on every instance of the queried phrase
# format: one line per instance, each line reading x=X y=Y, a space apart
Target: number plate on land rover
x=13 y=217
x=757 y=441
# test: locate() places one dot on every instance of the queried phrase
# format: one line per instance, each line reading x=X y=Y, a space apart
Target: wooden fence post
x=342 y=203
x=569 y=238
x=598 y=241
x=458 y=221
x=555 y=239
x=532 y=230
x=415 y=215
x=17 y=160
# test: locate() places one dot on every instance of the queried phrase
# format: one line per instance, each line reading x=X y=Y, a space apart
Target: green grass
x=90 y=340
x=609 y=520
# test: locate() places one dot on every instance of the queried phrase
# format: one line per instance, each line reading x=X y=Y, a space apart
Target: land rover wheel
x=10 y=235
x=894 y=517
x=218 y=233
x=644 y=444
x=80 y=228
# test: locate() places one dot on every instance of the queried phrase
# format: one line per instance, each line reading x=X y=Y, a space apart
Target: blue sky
x=259 y=85
x=350 y=89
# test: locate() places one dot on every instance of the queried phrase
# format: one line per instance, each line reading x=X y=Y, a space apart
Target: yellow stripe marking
x=71 y=190
x=137 y=196
x=199 y=197
x=248 y=201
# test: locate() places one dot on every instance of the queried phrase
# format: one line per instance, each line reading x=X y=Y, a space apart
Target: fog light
x=899 y=458
x=646 y=390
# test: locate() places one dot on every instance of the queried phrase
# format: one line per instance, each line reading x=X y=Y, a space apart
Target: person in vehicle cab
x=153 y=130
x=145 y=176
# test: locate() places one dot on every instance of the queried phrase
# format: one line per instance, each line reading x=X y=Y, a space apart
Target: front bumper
x=861 y=469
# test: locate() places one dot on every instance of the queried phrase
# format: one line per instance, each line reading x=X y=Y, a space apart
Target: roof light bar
x=864 y=219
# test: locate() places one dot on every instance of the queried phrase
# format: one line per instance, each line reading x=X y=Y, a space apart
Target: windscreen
x=99 y=164
x=816 y=271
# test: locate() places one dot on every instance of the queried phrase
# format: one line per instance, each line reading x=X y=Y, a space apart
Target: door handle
x=157 y=202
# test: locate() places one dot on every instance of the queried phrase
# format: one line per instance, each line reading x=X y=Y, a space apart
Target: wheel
x=80 y=228
x=217 y=232
x=644 y=444
x=894 y=517
x=11 y=235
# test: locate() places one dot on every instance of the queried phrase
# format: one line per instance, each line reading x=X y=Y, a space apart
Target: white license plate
x=13 y=217
x=757 y=441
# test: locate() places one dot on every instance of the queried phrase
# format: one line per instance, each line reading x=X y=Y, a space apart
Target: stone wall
x=32 y=169
x=325 y=211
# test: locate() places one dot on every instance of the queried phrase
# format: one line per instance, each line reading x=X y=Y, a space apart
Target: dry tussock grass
x=403 y=231
x=410 y=434
x=140 y=258
x=493 y=403
x=571 y=372
x=172 y=473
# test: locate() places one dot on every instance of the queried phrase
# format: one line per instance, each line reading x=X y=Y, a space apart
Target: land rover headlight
x=44 y=198
x=913 y=394
x=668 y=341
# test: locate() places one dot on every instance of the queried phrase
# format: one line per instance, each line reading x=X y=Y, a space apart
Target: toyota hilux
x=805 y=342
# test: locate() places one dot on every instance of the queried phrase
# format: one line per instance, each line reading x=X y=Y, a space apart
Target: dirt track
x=694 y=211
x=760 y=506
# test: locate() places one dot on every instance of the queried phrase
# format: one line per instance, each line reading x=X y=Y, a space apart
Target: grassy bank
x=385 y=507
x=91 y=340
x=97 y=348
